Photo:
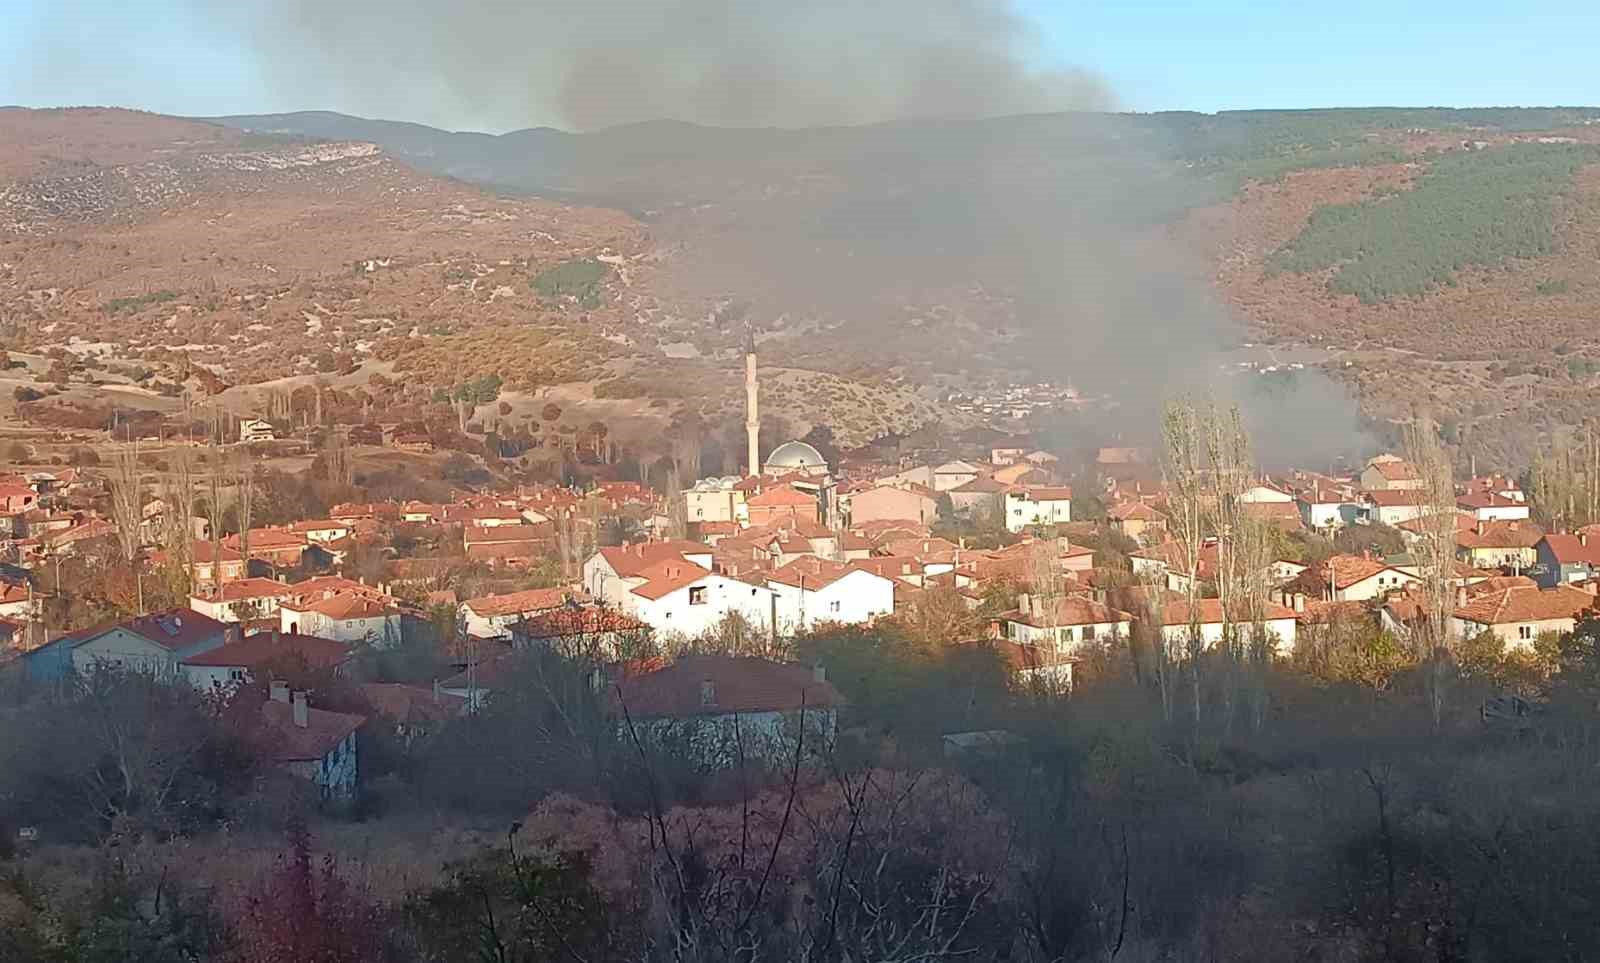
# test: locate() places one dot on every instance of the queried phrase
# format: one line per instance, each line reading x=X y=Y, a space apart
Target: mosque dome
x=793 y=456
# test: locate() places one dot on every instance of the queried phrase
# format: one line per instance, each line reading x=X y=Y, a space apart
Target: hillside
x=1431 y=256
x=150 y=254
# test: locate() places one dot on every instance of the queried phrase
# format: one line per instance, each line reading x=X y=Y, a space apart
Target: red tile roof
x=322 y=734
x=781 y=498
x=666 y=577
x=1176 y=612
x=810 y=572
x=519 y=603
x=1573 y=550
x=738 y=685
x=474 y=535
x=1048 y=493
x=629 y=560
x=1070 y=610
x=175 y=629
x=411 y=704
x=1524 y=604
x=346 y=605
x=1500 y=535
x=1396 y=499
x=1476 y=500
x=241 y=589
x=252 y=650
x=1396 y=470
x=1019 y=657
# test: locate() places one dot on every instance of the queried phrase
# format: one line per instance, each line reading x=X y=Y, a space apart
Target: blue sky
x=166 y=55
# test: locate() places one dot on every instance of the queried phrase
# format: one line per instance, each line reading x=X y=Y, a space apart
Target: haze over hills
x=1432 y=254
x=1127 y=255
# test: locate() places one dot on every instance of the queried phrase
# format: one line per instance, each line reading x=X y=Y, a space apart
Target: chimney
x=302 y=712
x=1583 y=538
x=435 y=690
x=1022 y=603
x=1461 y=597
x=708 y=692
x=1481 y=525
x=279 y=691
x=1038 y=608
x=819 y=672
x=1299 y=601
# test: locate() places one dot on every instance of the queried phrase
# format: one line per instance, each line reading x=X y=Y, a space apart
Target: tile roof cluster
x=632 y=560
x=1499 y=535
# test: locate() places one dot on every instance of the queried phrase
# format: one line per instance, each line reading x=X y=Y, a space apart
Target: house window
x=1088 y=633
x=1064 y=634
x=833 y=606
x=236 y=675
x=697 y=595
x=1524 y=631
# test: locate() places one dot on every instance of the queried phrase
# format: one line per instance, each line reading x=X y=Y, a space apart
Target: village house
x=588 y=628
x=492 y=616
x=680 y=598
x=1005 y=456
x=252 y=430
x=1061 y=623
x=982 y=498
x=156 y=643
x=243 y=600
x=1493 y=507
x=16 y=499
x=1517 y=616
x=413 y=710
x=238 y=662
x=614 y=570
x=214 y=566
x=721 y=709
x=21 y=601
x=954 y=474
x=1387 y=473
x=1278 y=622
x=811 y=591
x=512 y=545
x=278 y=547
x=343 y=617
x=1326 y=509
x=1500 y=545
x=716 y=500
x=919 y=475
x=1394 y=506
x=1038 y=506
x=1031 y=665
x=322 y=529
x=314 y=744
x=885 y=502
x=1352 y=578
x=781 y=501
x=1564 y=558
x=1137 y=521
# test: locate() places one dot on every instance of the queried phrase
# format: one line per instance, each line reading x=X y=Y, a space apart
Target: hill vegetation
x=1472 y=208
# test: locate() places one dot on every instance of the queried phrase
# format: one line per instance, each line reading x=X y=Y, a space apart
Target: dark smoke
x=740 y=63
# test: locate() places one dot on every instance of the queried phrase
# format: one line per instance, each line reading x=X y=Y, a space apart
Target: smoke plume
x=740 y=63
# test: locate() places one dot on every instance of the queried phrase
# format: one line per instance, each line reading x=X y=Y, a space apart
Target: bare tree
x=245 y=480
x=214 y=473
x=127 y=499
x=1183 y=433
x=1435 y=554
x=177 y=530
x=677 y=505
